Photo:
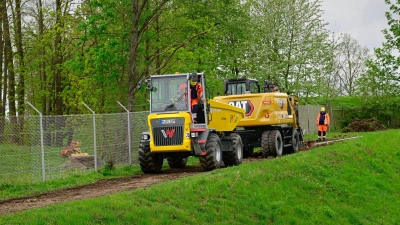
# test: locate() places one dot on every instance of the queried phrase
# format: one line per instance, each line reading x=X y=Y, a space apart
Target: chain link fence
x=31 y=146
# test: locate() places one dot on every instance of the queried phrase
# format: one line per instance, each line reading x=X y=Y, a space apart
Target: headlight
x=194 y=134
x=145 y=136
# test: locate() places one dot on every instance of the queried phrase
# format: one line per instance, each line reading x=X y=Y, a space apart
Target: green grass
x=351 y=182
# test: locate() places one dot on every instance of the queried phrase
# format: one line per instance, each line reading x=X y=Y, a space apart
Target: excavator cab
x=237 y=86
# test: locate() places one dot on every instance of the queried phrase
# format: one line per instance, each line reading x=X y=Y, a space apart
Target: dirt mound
x=364 y=125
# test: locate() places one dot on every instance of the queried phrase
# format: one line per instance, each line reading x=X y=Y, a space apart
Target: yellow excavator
x=177 y=132
x=271 y=117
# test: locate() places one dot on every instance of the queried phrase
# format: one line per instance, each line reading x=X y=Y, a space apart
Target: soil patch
x=100 y=188
x=364 y=125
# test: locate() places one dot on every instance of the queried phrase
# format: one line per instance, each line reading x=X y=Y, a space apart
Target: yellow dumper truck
x=176 y=131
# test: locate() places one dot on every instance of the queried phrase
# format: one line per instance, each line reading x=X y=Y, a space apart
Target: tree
x=350 y=59
x=150 y=19
x=382 y=79
x=291 y=44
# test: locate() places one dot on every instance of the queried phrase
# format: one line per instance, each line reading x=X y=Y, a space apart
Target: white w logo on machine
x=168 y=133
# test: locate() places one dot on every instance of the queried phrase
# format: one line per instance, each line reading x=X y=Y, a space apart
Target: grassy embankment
x=22 y=184
x=351 y=182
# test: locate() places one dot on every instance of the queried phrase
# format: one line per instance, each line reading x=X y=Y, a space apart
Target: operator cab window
x=168 y=93
x=254 y=87
x=237 y=88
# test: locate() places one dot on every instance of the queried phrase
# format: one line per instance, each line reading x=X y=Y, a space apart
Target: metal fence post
x=129 y=134
x=308 y=118
x=41 y=141
x=94 y=136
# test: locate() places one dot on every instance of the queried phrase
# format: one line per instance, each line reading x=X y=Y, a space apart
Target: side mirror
x=149 y=87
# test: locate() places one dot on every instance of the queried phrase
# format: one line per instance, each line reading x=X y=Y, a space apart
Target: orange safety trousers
x=322 y=128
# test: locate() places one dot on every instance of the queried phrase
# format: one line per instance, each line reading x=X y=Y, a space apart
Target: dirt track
x=100 y=188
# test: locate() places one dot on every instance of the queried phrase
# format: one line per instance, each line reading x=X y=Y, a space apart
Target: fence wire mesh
x=31 y=146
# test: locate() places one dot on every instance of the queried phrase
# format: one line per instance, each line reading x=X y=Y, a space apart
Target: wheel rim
x=296 y=140
x=240 y=151
x=279 y=144
x=218 y=153
x=279 y=147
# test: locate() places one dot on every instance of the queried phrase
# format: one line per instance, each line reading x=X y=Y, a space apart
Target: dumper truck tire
x=265 y=144
x=275 y=143
x=149 y=162
x=213 y=157
x=235 y=156
x=177 y=162
x=295 y=142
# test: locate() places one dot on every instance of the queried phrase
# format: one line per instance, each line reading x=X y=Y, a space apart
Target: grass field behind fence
x=351 y=182
x=23 y=162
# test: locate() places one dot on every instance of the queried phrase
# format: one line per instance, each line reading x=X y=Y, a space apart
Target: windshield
x=236 y=88
x=168 y=93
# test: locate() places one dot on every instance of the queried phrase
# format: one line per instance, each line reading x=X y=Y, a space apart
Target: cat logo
x=244 y=104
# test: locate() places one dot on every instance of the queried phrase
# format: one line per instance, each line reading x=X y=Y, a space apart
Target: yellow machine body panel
x=224 y=117
x=184 y=120
x=261 y=109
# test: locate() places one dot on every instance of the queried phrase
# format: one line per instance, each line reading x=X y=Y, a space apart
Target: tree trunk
x=11 y=78
x=133 y=71
x=42 y=66
x=4 y=78
x=21 y=83
x=58 y=104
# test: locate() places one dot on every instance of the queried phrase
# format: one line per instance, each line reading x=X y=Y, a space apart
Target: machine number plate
x=170 y=121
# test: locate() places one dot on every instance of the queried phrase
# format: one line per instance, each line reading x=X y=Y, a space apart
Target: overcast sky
x=364 y=20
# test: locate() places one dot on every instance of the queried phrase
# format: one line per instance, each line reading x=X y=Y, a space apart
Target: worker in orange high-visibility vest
x=196 y=94
x=323 y=122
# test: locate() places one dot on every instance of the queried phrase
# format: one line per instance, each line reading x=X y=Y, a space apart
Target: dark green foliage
x=387 y=115
x=109 y=167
